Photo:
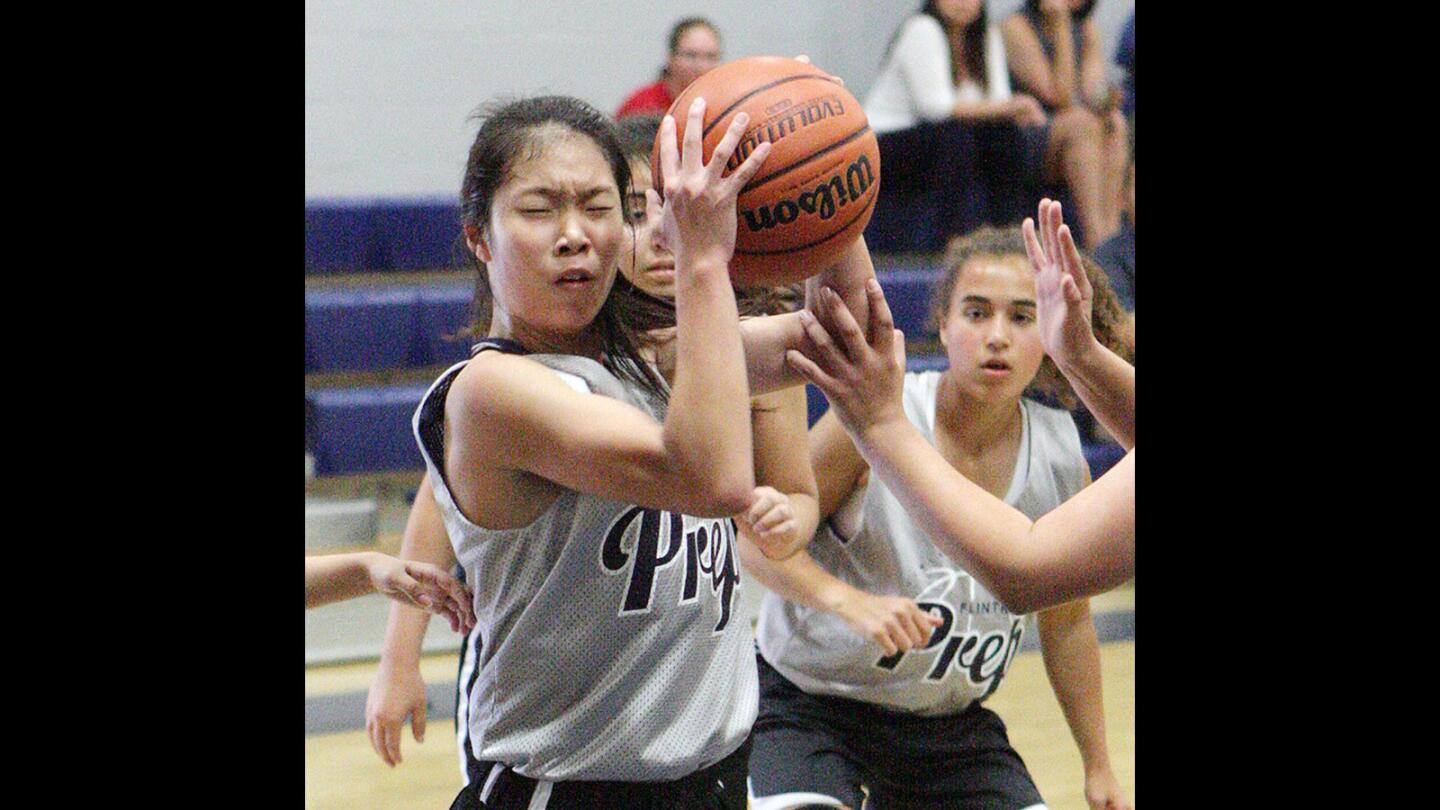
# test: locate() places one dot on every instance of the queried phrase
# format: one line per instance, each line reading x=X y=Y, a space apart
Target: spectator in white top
x=947 y=64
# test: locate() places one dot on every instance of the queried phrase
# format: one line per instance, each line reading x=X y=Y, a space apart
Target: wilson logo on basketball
x=794 y=119
x=825 y=199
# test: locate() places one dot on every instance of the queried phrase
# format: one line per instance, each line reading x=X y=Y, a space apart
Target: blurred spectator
x=1054 y=53
x=944 y=111
x=1117 y=255
x=694 y=49
x=1125 y=58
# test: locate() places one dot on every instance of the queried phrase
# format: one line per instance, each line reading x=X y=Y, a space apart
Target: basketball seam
x=760 y=181
x=808 y=245
x=705 y=131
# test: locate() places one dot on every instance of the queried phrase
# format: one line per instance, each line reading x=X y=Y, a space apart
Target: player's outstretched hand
x=424 y=586
x=862 y=375
x=1063 y=295
x=895 y=623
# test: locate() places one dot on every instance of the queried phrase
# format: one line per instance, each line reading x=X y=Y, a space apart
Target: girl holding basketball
x=586 y=501
x=1081 y=548
x=782 y=501
x=875 y=668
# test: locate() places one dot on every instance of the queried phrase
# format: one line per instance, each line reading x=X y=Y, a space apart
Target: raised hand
x=424 y=586
x=862 y=375
x=698 y=218
x=895 y=623
x=1063 y=294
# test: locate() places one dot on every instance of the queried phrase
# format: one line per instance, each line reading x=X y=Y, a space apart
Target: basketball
x=815 y=192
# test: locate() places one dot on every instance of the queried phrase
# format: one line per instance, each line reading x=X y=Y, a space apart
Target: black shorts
x=718 y=787
x=828 y=747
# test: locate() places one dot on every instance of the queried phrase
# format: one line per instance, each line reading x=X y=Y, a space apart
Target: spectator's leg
x=1117 y=159
x=1075 y=157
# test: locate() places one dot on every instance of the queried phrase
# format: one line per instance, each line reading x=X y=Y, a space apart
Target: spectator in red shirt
x=694 y=49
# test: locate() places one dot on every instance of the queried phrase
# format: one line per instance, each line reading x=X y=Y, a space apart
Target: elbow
x=724 y=494
x=733 y=495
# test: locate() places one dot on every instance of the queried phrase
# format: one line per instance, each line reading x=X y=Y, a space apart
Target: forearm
x=983 y=110
x=797 y=578
x=986 y=535
x=1106 y=384
x=424 y=540
x=1071 y=652
x=847 y=278
x=336 y=577
x=1062 y=64
x=707 y=425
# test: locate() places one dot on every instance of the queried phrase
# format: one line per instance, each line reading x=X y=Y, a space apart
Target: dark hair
x=637 y=135
x=508 y=135
x=1107 y=318
x=1032 y=8
x=686 y=24
x=973 y=42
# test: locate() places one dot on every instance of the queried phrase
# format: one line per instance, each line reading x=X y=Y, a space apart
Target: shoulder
x=495 y=384
x=921 y=28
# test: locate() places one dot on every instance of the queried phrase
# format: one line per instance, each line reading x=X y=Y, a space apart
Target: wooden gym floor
x=342 y=772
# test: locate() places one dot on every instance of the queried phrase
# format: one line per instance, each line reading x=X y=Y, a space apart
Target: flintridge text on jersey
x=983 y=658
x=709 y=549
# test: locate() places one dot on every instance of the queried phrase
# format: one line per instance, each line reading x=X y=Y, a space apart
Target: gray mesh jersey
x=871 y=543
x=611 y=645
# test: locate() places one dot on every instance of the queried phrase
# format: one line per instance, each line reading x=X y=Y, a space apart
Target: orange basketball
x=815 y=192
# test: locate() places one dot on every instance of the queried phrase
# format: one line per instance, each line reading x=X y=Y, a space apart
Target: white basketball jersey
x=872 y=544
x=611 y=645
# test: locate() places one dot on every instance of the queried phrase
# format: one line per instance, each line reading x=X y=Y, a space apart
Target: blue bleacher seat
x=444 y=310
x=358 y=430
x=339 y=236
x=908 y=294
x=418 y=234
x=362 y=330
x=377 y=235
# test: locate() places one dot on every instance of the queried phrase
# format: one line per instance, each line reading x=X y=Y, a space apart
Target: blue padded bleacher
x=359 y=430
x=907 y=291
x=385 y=328
x=376 y=235
x=406 y=326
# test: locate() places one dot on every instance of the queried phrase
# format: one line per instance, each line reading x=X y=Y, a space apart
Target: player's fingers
x=782 y=529
x=826 y=352
x=882 y=321
x=1073 y=265
x=852 y=338
x=390 y=738
x=812 y=373
x=1042 y=225
x=748 y=169
x=669 y=155
x=1033 y=250
x=417 y=722
x=763 y=503
x=692 y=149
x=770 y=520
x=881 y=637
x=720 y=158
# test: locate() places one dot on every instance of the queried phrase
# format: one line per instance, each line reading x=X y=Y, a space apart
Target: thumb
x=417 y=723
